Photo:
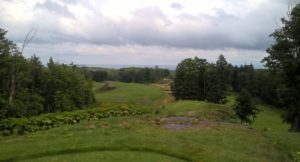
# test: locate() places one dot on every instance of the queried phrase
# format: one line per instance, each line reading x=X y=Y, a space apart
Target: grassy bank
x=178 y=131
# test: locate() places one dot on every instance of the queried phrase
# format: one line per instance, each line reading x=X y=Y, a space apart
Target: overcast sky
x=143 y=32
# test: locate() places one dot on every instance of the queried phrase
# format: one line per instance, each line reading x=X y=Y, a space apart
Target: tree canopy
x=28 y=88
x=196 y=79
x=244 y=107
x=284 y=60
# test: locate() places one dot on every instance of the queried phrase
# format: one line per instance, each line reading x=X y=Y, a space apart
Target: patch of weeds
x=125 y=125
x=296 y=156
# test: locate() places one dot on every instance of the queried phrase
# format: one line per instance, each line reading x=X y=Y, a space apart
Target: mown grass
x=143 y=138
x=182 y=107
x=270 y=123
x=219 y=143
x=130 y=93
x=108 y=156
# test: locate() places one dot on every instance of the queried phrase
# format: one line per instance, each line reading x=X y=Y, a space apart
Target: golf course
x=166 y=131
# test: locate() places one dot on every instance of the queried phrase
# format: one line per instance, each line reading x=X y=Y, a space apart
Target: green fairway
x=109 y=156
x=179 y=131
x=130 y=93
x=214 y=142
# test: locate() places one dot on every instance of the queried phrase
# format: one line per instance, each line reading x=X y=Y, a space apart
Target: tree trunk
x=296 y=125
x=12 y=88
x=204 y=90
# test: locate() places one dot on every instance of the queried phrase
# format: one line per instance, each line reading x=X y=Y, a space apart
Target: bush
x=43 y=122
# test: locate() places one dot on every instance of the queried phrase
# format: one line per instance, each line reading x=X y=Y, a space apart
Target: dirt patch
x=167 y=90
x=107 y=87
x=180 y=123
x=192 y=114
x=164 y=87
x=177 y=122
x=177 y=119
x=177 y=126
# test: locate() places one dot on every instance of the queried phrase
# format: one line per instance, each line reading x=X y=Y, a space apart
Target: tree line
x=28 y=88
x=132 y=74
x=196 y=79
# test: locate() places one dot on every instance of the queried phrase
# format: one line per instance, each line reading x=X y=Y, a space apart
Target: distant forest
x=131 y=74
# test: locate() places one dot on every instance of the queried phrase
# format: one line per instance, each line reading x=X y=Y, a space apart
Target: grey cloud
x=151 y=27
x=148 y=13
x=177 y=6
x=56 y=8
x=71 y=1
x=225 y=31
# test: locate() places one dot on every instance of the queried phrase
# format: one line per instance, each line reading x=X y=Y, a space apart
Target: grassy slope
x=143 y=138
x=270 y=123
x=107 y=156
x=130 y=93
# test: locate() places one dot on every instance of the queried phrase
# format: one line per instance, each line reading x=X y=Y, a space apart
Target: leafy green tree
x=14 y=71
x=195 y=79
x=36 y=75
x=284 y=59
x=202 y=79
x=244 y=108
x=66 y=88
x=186 y=83
x=28 y=88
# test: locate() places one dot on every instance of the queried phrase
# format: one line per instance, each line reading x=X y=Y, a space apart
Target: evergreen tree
x=215 y=86
x=27 y=88
x=284 y=59
x=244 y=108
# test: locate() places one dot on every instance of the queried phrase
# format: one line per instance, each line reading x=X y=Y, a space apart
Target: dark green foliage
x=216 y=86
x=243 y=77
x=142 y=75
x=129 y=75
x=107 y=87
x=99 y=75
x=43 y=122
x=196 y=79
x=284 y=60
x=261 y=83
x=27 y=88
x=66 y=88
x=267 y=87
x=222 y=69
x=186 y=82
x=244 y=108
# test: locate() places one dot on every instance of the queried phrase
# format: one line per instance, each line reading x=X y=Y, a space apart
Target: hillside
x=177 y=131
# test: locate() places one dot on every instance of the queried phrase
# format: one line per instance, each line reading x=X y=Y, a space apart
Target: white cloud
x=137 y=54
x=142 y=31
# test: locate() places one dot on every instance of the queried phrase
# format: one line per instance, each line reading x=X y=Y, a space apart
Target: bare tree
x=28 y=38
x=16 y=67
x=291 y=5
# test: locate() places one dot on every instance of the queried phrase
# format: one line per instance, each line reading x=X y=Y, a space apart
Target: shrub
x=43 y=122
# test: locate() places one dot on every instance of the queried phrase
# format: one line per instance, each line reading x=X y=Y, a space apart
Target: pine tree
x=244 y=108
x=284 y=59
